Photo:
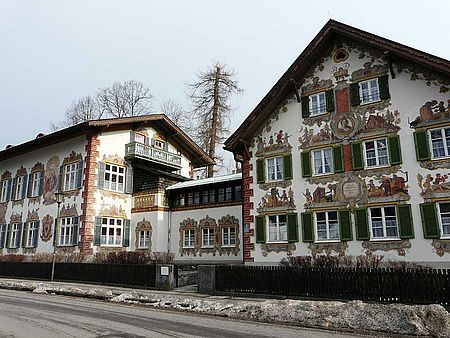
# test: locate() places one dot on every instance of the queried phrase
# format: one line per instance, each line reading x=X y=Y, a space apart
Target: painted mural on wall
x=33 y=215
x=3 y=210
x=68 y=211
x=46 y=229
x=420 y=73
x=51 y=180
x=400 y=246
x=276 y=143
x=277 y=199
x=434 y=185
x=441 y=246
x=112 y=210
x=388 y=188
x=432 y=112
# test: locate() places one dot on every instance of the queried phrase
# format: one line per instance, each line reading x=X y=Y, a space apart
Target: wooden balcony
x=145 y=152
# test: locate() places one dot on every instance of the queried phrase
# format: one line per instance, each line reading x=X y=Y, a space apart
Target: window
x=144 y=239
x=208 y=237
x=70 y=176
x=444 y=217
x=440 y=142
x=221 y=195
x=317 y=104
x=66 y=231
x=111 y=231
x=35 y=183
x=376 y=153
x=18 y=190
x=369 y=91
x=277 y=228
x=158 y=144
x=14 y=241
x=323 y=161
x=140 y=138
x=228 y=194
x=189 y=238
x=383 y=222
x=237 y=192
x=327 y=225
x=228 y=236
x=190 y=198
x=114 y=177
x=197 y=197
x=4 y=191
x=178 y=200
x=275 y=169
x=33 y=228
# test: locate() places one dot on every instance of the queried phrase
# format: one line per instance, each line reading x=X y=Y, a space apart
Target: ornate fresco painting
x=288 y=248
x=434 y=185
x=112 y=210
x=189 y=224
x=144 y=225
x=231 y=222
x=51 y=180
x=68 y=211
x=209 y=223
x=420 y=73
x=400 y=246
x=441 y=246
x=46 y=228
x=3 y=209
x=277 y=200
x=388 y=188
x=431 y=113
x=328 y=249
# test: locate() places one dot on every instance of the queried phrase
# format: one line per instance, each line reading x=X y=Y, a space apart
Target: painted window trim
x=316 y=237
x=267 y=168
x=278 y=227
x=322 y=157
x=441 y=228
x=324 y=107
x=369 y=215
x=376 y=153
x=363 y=103
x=430 y=143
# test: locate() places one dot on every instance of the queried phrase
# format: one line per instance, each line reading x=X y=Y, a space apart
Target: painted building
x=114 y=176
x=349 y=154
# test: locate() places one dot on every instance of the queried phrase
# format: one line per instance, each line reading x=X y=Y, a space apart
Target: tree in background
x=80 y=110
x=210 y=94
x=177 y=114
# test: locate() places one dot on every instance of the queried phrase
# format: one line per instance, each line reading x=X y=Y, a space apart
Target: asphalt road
x=24 y=314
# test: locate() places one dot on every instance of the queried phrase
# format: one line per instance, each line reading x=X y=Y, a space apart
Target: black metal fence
x=382 y=285
x=143 y=275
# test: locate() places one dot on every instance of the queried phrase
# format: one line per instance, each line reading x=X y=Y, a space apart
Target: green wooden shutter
x=80 y=167
x=305 y=106
x=357 y=156
x=338 y=159
x=362 y=224
x=292 y=223
x=126 y=233
x=395 y=153
x=307 y=227
x=329 y=96
x=287 y=164
x=260 y=229
x=76 y=226
x=430 y=222
x=355 y=99
x=97 y=230
x=129 y=181
x=421 y=143
x=383 y=85
x=260 y=171
x=306 y=164
x=345 y=225
x=405 y=221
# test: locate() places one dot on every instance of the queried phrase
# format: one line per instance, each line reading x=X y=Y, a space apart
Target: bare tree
x=210 y=95
x=129 y=98
x=80 y=110
x=177 y=114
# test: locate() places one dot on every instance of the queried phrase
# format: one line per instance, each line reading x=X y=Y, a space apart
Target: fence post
x=165 y=277
x=206 y=279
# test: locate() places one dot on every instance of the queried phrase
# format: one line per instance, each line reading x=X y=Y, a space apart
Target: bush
x=12 y=258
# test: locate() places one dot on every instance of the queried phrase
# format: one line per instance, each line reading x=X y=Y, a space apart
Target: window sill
x=377 y=166
x=440 y=158
x=65 y=245
x=317 y=114
x=325 y=241
x=143 y=248
x=228 y=246
x=188 y=247
x=322 y=175
x=384 y=239
x=275 y=181
x=278 y=242
x=207 y=247
x=71 y=190
x=120 y=192
x=369 y=102
x=110 y=246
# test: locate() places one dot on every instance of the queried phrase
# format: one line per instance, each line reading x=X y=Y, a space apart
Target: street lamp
x=59 y=199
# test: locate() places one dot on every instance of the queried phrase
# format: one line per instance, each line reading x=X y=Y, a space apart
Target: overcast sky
x=53 y=52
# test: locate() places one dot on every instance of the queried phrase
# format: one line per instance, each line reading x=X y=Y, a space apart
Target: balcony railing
x=144 y=201
x=140 y=150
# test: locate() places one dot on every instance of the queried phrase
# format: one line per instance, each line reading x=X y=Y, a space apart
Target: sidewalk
x=353 y=316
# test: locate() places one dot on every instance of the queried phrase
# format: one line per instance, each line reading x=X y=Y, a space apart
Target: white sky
x=53 y=52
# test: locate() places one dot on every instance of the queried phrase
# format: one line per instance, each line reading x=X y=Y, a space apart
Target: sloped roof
x=307 y=59
x=206 y=181
x=160 y=122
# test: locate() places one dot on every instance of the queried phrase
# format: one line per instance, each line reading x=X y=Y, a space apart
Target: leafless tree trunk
x=130 y=98
x=210 y=95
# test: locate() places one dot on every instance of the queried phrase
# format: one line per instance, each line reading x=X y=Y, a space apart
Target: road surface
x=24 y=314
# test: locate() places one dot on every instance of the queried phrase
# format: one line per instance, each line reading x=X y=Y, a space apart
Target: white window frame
x=4 y=192
x=116 y=225
x=66 y=229
x=383 y=218
x=446 y=146
x=441 y=224
x=280 y=229
x=228 y=236
x=317 y=108
x=139 y=138
x=118 y=174
x=159 y=144
x=14 y=233
x=189 y=238
x=209 y=242
x=327 y=226
x=32 y=227
x=322 y=161
x=18 y=187
x=369 y=89
x=70 y=176
x=35 y=183
x=279 y=175
x=144 y=239
x=377 y=156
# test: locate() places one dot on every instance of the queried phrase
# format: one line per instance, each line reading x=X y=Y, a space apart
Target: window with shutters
x=440 y=142
x=70 y=176
x=14 y=238
x=144 y=239
x=114 y=177
x=112 y=229
x=383 y=222
x=444 y=218
x=207 y=237
x=228 y=236
x=189 y=238
x=32 y=229
x=317 y=104
x=323 y=161
x=376 y=153
x=18 y=189
x=274 y=169
x=277 y=226
x=4 y=190
x=369 y=91
x=66 y=231
x=327 y=226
